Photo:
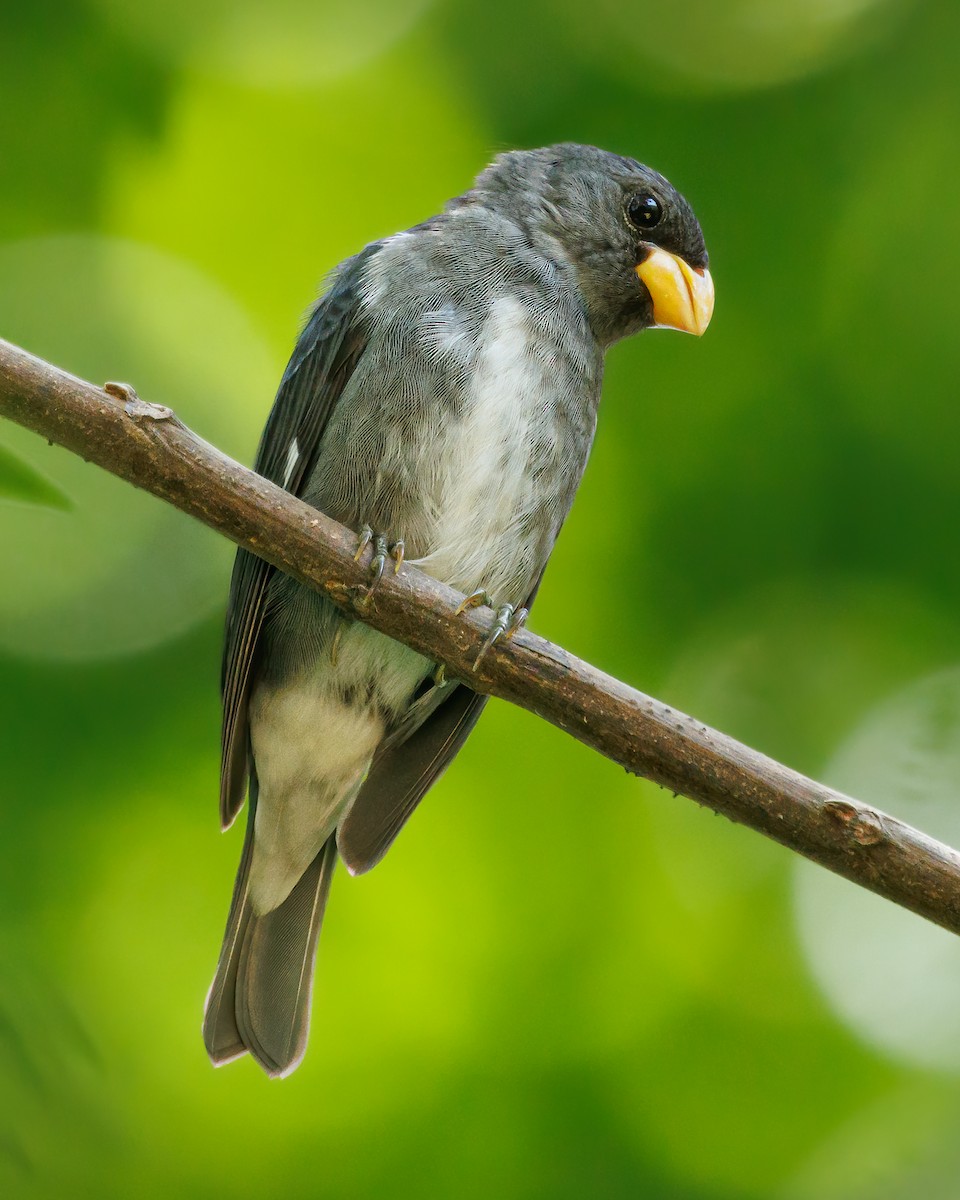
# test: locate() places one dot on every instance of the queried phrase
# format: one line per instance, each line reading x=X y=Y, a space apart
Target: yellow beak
x=682 y=295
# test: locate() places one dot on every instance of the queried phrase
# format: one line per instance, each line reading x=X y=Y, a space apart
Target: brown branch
x=148 y=446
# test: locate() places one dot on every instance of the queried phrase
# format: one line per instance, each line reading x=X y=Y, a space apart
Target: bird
x=441 y=401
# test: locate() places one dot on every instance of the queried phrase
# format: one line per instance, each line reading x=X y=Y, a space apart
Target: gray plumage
x=444 y=391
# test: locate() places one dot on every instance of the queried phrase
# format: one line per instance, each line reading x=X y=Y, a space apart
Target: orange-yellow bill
x=682 y=295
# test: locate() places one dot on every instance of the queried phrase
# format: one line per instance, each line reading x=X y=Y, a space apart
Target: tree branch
x=148 y=446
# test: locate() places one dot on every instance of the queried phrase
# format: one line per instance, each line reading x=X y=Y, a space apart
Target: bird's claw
x=506 y=622
x=475 y=600
x=382 y=550
x=364 y=538
x=335 y=644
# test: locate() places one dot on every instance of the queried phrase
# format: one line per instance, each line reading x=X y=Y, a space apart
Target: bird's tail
x=260 y=996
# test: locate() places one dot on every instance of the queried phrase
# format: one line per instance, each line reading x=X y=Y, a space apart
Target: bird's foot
x=506 y=622
x=383 y=551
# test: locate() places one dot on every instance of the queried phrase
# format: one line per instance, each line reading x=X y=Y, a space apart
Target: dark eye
x=644 y=211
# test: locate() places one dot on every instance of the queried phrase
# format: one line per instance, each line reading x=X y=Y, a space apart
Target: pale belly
x=505 y=475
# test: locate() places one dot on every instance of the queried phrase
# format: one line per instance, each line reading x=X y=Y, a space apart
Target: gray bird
x=442 y=401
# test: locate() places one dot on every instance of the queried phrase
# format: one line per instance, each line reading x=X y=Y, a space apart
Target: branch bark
x=148 y=446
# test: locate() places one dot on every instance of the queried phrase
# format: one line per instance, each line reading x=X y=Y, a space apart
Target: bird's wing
x=406 y=766
x=326 y=355
x=401 y=774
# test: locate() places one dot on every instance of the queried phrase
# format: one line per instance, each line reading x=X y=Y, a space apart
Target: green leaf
x=19 y=481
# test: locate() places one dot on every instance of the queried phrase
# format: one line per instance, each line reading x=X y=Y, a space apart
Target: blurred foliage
x=562 y=982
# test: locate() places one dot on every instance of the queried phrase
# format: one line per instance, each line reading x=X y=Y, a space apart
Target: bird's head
x=631 y=238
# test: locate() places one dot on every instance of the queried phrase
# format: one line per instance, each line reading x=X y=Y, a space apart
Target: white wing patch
x=293 y=457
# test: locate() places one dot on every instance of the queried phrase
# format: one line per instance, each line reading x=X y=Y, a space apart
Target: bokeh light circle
x=119 y=571
x=890 y=976
x=740 y=45
x=286 y=44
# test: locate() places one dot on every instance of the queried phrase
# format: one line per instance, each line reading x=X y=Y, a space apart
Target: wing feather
x=325 y=357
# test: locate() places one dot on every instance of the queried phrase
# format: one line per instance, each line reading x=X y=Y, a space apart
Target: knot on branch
x=138 y=410
x=864 y=825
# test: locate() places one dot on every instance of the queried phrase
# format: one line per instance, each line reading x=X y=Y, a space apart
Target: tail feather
x=260 y=998
x=275 y=976
x=221 y=1035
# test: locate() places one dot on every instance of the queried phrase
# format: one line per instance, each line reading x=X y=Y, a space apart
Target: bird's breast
x=502 y=477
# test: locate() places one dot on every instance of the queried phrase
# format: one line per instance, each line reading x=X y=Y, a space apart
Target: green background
x=562 y=982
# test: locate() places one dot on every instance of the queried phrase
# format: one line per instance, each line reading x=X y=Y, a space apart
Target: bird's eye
x=644 y=211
